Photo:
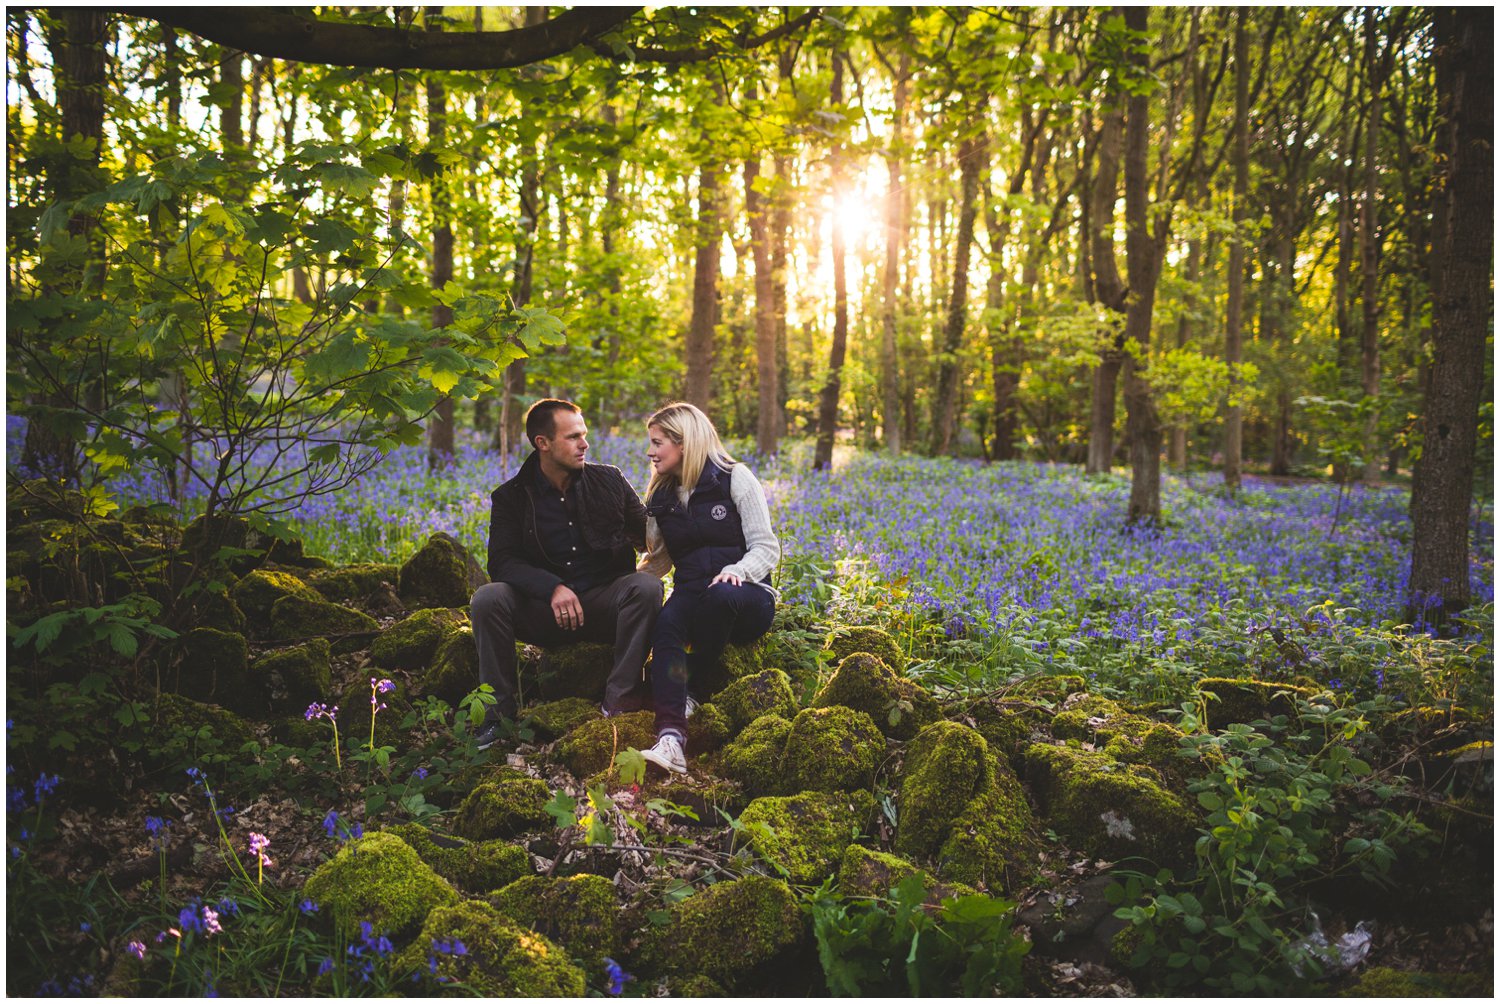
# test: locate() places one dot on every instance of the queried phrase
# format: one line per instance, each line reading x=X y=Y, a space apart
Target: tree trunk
x=1369 y=251
x=972 y=157
x=698 y=383
x=440 y=425
x=1142 y=427
x=767 y=393
x=1233 y=336
x=1443 y=480
x=890 y=372
x=828 y=399
x=1105 y=280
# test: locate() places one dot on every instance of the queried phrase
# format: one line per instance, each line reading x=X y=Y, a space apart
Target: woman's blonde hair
x=690 y=429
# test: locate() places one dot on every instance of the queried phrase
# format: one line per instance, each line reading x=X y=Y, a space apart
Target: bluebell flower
x=308 y=907
x=616 y=976
x=326 y=966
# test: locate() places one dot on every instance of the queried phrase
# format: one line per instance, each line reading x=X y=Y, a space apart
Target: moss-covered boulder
x=474 y=867
x=1386 y=982
x=845 y=641
x=213 y=667
x=832 y=749
x=259 y=590
x=755 y=757
x=296 y=676
x=1124 y=736
x=579 y=912
x=380 y=879
x=577 y=670
x=897 y=706
x=768 y=692
x=499 y=958
x=204 y=536
x=353 y=583
x=297 y=618
x=441 y=574
x=557 y=718
x=737 y=662
x=727 y=931
x=708 y=730
x=410 y=644
x=1231 y=700
x=592 y=746
x=1009 y=726
x=454 y=668
x=867 y=872
x=503 y=808
x=804 y=836
x=181 y=719
x=964 y=810
x=1049 y=690
x=355 y=710
x=1108 y=808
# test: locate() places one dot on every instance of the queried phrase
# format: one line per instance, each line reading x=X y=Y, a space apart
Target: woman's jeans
x=691 y=633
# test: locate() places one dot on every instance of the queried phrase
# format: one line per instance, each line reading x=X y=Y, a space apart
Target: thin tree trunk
x=1107 y=287
x=1443 y=480
x=1233 y=337
x=972 y=153
x=767 y=393
x=698 y=382
x=440 y=425
x=828 y=399
x=890 y=370
x=1369 y=251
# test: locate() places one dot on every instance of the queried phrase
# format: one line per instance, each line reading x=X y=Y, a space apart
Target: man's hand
x=729 y=577
x=566 y=608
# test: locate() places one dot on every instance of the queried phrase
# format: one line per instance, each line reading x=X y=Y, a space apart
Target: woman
x=706 y=516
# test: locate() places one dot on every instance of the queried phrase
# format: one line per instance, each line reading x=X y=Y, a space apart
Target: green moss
x=579 y=912
x=411 y=643
x=591 y=747
x=845 y=641
x=832 y=749
x=805 y=835
x=695 y=986
x=502 y=959
x=296 y=618
x=898 y=707
x=991 y=842
x=472 y=867
x=1383 y=981
x=354 y=715
x=1108 y=808
x=557 y=718
x=577 y=670
x=1046 y=689
x=214 y=668
x=1248 y=700
x=737 y=662
x=184 y=715
x=1008 y=726
x=707 y=730
x=258 y=591
x=217 y=610
x=353 y=583
x=755 y=757
x=454 y=668
x=867 y=872
x=727 y=931
x=380 y=879
x=441 y=574
x=294 y=677
x=503 y=808
x=768 y=692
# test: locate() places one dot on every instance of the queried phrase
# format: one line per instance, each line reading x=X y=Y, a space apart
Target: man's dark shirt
x=559 y=527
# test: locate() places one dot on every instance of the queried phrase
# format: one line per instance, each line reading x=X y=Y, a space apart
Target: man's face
x=568 y=443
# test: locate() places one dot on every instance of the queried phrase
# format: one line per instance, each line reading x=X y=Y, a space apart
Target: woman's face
x=665 y=455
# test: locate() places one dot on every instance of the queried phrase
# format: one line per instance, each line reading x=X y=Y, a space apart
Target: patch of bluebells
x=616 y=977
x=370 y=949
x=451 y=947
x=339 y=829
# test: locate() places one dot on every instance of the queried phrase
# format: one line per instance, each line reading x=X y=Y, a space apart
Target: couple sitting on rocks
x=563 y=538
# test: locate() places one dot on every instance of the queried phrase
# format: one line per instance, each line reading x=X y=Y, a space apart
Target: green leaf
x=562 y=808
x=632 y=766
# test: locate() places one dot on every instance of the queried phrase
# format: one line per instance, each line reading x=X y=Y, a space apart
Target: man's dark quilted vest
x=702 y=536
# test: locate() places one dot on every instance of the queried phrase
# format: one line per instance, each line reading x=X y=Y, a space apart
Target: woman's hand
x=729 y=577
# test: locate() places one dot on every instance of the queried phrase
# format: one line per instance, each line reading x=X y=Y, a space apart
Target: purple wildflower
x=326 y=966
x=308 y=907
x=211 y=925
x=136 y=948
x=617 y=977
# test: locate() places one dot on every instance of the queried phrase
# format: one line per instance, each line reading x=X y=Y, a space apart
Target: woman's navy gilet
x=705 y=534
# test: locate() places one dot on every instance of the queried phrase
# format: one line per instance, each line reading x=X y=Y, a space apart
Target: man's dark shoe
x=487 y=736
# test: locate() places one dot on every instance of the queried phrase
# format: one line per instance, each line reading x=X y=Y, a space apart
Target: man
x=563 y=537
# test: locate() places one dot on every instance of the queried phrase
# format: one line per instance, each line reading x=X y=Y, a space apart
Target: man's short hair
x=541 y=418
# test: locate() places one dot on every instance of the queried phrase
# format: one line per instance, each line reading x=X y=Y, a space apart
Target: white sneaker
x=692 y=707
x=667 y=753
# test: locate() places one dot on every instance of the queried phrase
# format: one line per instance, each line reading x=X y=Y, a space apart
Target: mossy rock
x=727 y=931
x=474 y=867
x=259 y=590
x=217 y=610
x=1107 y=808
x=577 y=670
x=558 y=718
x=43 y=498
x=213 y=667
x=454 y=668
x=182 y=715
x=707 y=730
x=864 y=682
x=864 y=871
x=1046 y=689
x=832 y=749
x=1008 y=726
x=353 y=583
x=503 y=808
x=592 y=746
x=755 y=757
x=1124 y=736
x=354 y=715
x=805 y=835
x=378 y=878
x=694 y=986
x=410 y=644
x=205 y=535
x=297 y=618
x=845 y=641
x=500 y=959
x=964 y=810
x=1231 y=700
x=703 y=793
x=1383 y=981
x=295 y=677
x=580 y=912
x=737 y=662
x=768 y=692
x=441 y=574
